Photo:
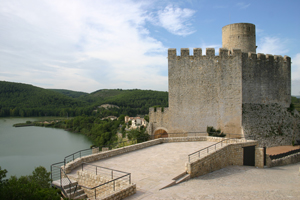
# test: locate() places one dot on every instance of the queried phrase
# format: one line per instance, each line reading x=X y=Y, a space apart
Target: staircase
x=68 y=186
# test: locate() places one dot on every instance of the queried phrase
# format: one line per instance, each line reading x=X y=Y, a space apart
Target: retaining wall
x=91 y=180
x=290 y=159
x=232 y=154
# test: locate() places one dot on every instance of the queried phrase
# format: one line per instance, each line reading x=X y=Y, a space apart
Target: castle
x=225 y=90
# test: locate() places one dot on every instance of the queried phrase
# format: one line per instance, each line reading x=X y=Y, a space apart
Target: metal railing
x=117 y=179
x=60 y=180
x=86 y=152
x=212 y=148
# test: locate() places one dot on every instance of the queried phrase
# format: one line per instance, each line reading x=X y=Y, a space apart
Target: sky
x=87 y=45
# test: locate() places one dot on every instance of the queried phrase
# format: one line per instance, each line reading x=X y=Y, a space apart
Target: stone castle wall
x=204 y=90
x=270 y=124
x=266 y=79
x=211 y=90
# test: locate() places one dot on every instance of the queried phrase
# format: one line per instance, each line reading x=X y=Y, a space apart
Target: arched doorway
x=160 y=133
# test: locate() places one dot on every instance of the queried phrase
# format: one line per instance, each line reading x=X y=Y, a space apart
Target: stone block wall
x=91 y=180
x=266 y=79
x=271 y=125
x=290 y=159
x=102 y=155
x=126 y=192
x=259 y=157
x=204 y=90
x=232 y=154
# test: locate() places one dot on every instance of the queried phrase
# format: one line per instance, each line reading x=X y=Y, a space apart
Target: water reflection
x=24 y=148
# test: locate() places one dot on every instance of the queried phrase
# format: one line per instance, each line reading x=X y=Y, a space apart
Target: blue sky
x=86 y=45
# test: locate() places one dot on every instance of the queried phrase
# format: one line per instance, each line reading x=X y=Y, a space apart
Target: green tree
x=33 y=187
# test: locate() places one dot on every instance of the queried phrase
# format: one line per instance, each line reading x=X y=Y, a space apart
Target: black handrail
x=61 y=175
x=207 y=148
x=112 y=177
x=148 y=137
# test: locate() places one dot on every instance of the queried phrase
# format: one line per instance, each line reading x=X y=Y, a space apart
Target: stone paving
x=153 y=167
x=236 y=182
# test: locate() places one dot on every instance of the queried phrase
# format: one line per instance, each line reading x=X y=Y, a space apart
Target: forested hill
x=70 y=93
x=17 y=99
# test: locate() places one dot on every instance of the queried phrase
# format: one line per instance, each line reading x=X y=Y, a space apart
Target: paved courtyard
x=153 y=167
x=237 y=183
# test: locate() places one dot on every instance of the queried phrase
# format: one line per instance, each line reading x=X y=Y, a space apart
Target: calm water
x=24 y=148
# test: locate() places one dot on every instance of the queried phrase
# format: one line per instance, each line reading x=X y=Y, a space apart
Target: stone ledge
x=290 y=159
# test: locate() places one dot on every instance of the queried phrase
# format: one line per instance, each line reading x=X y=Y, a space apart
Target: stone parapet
x=126 y=192
x=290 y=159
x=231 y=154
x=107 y=154
x=103 y=186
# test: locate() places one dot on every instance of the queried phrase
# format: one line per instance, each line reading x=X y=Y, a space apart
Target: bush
x=215 y=133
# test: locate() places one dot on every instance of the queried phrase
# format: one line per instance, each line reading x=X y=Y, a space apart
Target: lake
x=24 y=148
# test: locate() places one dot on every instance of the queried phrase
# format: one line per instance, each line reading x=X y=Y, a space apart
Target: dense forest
x=34 y=187
x=296 y=103
x=17 y=99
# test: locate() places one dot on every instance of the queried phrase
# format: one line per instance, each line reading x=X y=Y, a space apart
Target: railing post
x=95 y=193
x=199 y=154
x=112 y=174
x=129 y=179
x=60 y=177
x=114 y=185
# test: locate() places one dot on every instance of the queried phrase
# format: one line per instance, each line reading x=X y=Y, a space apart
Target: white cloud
x=243 y=5
x=83 y=45
x=176 y=20
x=296 y=67
x=272 y=45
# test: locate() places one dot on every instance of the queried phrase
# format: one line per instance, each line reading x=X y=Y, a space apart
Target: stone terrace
x=153 y=167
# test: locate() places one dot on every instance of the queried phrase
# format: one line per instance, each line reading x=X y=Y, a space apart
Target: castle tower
x=239 y=36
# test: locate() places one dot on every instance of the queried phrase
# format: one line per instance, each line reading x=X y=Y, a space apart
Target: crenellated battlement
x=224 y=54
x=197 y=53
x=267 y=57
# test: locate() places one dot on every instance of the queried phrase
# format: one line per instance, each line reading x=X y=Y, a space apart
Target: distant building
x=136 y=122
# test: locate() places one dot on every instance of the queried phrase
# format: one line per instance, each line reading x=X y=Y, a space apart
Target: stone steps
x=69 y=188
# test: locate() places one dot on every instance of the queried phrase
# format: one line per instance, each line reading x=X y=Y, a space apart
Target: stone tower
x=238 y=91
x=239 y=36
